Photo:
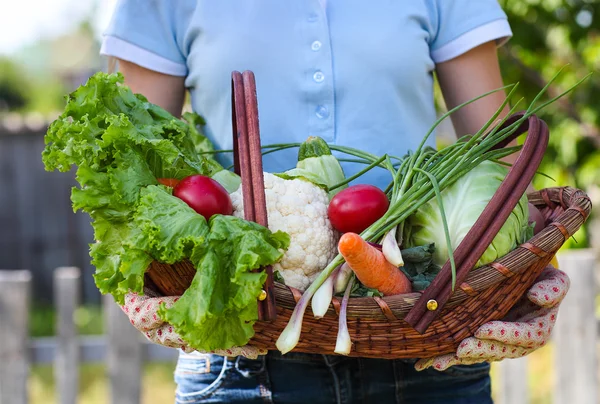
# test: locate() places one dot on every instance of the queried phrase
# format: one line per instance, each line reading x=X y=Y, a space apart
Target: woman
x=354 y=73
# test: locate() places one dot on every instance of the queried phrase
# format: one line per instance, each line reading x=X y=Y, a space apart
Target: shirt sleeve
x=458 y=26
x=148 y=33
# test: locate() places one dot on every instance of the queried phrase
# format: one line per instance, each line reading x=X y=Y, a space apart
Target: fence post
x=514 y=386
x=66 y=364
x=575 y=332
x=124 y=355
x=15 y=287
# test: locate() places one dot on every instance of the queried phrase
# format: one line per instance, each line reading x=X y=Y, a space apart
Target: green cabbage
x=463 y=203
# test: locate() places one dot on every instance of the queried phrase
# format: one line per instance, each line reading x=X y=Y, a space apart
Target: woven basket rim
x=573 y=207
x=376 y=325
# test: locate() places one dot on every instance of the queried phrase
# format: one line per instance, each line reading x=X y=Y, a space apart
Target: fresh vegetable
x=536 y=218
x=391 y=249
x=318 y=165
x=228 y=179
x=343 y=343
x=343 y=275
x=168 y=182
x=199 y=142
x=463 y=203
x=417 y=178
x=203 y=147
x=357 y=207
x=419 y=266
x=205 y=195
x=371 y=267
x=299 y=208
x=219 y=308
x=121 y=144
x=322 y=298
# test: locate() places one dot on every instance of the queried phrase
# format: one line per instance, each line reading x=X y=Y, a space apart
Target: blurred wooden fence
x=39 y=230
x=124 y=349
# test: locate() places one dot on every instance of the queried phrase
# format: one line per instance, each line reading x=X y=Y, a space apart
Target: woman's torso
x=357 y=74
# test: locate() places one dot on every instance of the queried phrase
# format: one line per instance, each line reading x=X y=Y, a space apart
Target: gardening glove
x=142 y=313
x=525 y=328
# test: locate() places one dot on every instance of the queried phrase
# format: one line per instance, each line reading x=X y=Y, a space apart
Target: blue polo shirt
x=354 y=72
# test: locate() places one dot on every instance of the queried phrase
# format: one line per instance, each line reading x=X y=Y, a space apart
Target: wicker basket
x=377 y=326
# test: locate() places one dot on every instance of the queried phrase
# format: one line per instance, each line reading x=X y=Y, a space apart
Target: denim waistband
x=312 y=378
x=290 y=356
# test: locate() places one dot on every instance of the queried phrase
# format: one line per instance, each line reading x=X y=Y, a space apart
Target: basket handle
x=489 y=223
x=247 y=159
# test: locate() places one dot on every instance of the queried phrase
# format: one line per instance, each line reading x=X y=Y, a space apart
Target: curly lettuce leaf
x=220 y=307
x=103 y=116
x=119 y=268
x=120 y=144
x=201 y=143
x=169 y=228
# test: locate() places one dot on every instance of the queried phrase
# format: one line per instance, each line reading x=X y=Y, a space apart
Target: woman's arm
x=163 y=90
x=466 y=77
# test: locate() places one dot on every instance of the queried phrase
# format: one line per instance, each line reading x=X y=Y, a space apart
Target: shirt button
x=322 y=112
x=312 y=17
x=316 y=45
x=318 y=76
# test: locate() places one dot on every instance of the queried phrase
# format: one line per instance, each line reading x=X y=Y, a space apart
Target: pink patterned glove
x=525 y=328
x=142 y=313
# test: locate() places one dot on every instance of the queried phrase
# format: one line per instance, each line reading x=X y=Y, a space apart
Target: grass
x=157 y=384
x=157 y=379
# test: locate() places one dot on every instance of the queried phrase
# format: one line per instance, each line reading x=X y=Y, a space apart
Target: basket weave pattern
x=376 y=325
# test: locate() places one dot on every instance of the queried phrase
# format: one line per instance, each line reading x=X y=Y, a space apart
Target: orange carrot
x=371 y=267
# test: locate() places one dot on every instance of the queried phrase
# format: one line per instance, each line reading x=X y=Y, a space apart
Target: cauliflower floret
x=298 y=208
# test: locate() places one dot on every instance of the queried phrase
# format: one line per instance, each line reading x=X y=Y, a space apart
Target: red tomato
x=168 y=182
x=357 y=207
x=205 y=195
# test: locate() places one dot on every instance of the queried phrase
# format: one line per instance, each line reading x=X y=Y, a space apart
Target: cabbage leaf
x=463 y=202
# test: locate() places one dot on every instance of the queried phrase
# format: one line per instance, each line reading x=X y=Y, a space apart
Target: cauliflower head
x=299 y=208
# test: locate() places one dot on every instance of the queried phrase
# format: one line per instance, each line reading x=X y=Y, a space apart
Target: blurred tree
x=37 y=77
x=13 y=86
x=547 y=36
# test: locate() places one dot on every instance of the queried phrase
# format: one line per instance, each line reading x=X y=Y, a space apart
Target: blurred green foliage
x=88 y=320
x=13 y=86
x=547 y=36
x=24 y=91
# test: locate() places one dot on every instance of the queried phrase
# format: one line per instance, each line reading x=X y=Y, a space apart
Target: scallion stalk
x=343 y=343
x=421 y=176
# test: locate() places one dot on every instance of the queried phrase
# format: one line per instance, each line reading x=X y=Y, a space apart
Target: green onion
x=422 y=175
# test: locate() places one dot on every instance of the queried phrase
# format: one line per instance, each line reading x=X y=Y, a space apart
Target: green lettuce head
x=121 y=144
x=464 y=201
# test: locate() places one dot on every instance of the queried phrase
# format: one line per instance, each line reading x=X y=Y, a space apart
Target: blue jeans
x=313 y=379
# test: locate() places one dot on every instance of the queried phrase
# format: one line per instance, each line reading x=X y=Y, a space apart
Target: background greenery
x=549 y=34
